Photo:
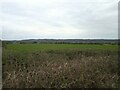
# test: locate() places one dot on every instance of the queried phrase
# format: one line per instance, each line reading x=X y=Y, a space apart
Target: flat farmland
x=47 y=47
x=60 y=66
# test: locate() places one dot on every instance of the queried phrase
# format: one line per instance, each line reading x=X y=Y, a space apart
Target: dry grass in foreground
x=60 y=69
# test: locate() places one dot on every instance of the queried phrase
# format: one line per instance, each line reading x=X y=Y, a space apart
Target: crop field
x=60 y=66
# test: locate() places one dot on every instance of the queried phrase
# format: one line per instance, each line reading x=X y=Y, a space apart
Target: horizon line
x=59 y=39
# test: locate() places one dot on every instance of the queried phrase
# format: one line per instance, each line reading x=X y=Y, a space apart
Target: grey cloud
x=94 y=19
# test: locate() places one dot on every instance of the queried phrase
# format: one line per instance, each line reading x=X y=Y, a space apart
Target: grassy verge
x=56 y=66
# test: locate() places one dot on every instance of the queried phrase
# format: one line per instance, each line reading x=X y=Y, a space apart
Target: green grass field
x=60 y=66
x=46 y=47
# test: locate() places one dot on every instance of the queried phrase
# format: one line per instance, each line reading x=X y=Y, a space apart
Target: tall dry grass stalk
x=81 y=69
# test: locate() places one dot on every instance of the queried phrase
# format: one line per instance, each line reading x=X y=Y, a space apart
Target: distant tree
x=34 y=42
x=22 y=42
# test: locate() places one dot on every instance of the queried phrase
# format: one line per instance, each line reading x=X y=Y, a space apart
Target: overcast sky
x=59 y=19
